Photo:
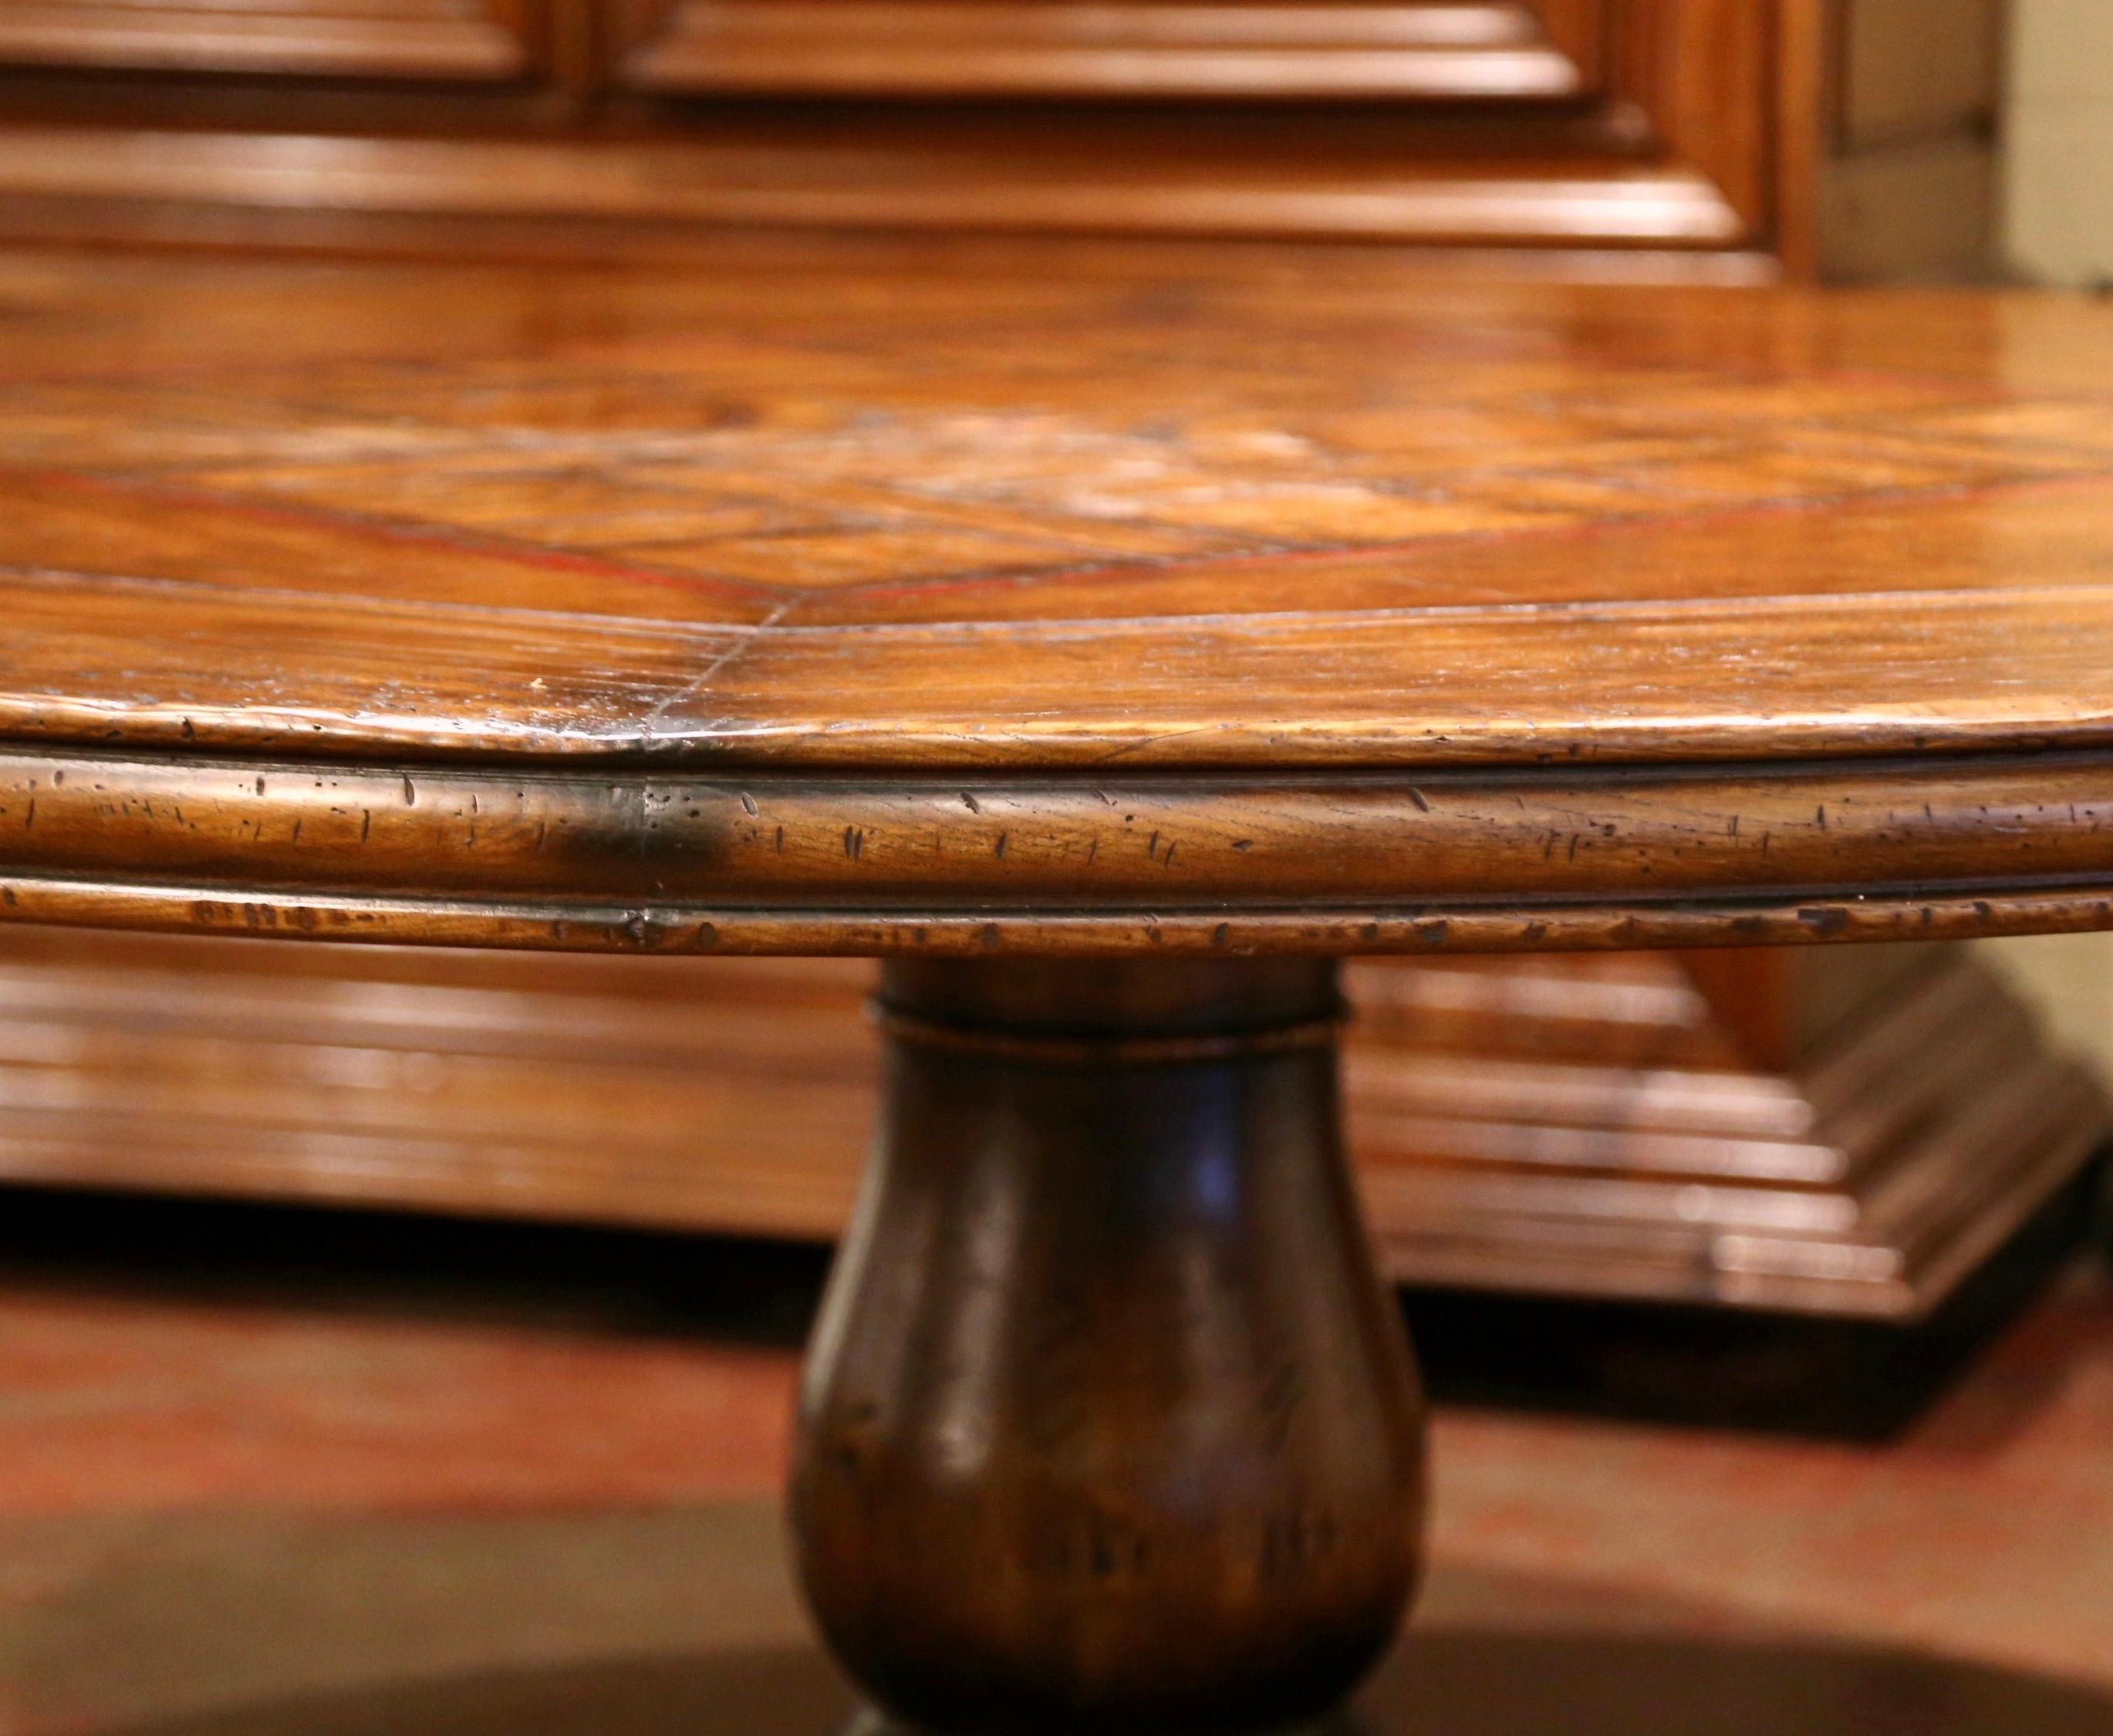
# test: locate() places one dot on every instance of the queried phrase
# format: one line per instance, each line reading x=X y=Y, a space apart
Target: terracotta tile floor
x=525 y=1509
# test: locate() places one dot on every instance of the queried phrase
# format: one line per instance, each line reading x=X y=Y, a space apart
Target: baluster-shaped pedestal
x=1108 y=1425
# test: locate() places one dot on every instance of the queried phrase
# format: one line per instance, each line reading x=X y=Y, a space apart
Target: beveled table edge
x=538 y=855
x=909 y=745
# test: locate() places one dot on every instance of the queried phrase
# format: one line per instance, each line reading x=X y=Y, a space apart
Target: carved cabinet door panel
x=1656 y=123
x=1281 y=49
x=1684 y=129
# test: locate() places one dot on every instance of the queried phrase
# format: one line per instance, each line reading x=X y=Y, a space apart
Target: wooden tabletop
x=871 y=597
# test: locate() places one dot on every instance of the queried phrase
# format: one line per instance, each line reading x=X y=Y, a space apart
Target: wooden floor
x=266 y=1474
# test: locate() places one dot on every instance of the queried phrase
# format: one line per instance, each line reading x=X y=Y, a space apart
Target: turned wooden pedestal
x=1108 y=1423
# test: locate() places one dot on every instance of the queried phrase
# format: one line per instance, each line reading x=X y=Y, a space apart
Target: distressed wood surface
x=887 y=596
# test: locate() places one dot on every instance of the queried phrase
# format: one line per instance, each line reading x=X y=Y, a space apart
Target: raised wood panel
x=1595 y=123
x=1695 y=83
x=1249 y=49
x=451 y=40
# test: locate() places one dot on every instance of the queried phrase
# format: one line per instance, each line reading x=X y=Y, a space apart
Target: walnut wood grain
x=1105 y=1340
x=1354 y=862
x=1275 y=609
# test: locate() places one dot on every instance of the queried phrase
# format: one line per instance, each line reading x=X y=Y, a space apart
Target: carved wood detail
x=1592 y=123
x=1691 y=92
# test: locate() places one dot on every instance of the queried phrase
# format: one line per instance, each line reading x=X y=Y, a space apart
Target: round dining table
x=1109 y=638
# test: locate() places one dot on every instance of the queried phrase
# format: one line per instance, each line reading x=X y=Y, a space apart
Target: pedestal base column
x=1108 y=1423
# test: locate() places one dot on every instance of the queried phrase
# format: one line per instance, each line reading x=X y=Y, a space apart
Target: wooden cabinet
x=1676 y=126
x=449 y=39
x=1709 y=137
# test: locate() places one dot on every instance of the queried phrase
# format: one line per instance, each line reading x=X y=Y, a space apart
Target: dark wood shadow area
x=1780 y=1374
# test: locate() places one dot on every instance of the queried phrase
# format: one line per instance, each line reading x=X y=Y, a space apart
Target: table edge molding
x=1469 y=859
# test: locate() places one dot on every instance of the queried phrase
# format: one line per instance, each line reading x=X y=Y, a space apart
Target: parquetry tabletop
x=1129 y=598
